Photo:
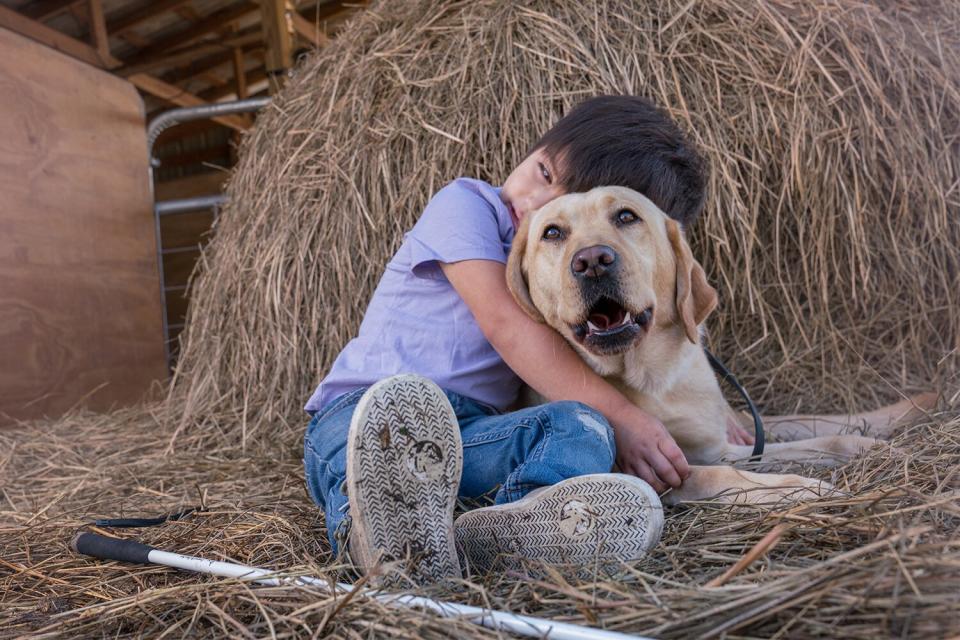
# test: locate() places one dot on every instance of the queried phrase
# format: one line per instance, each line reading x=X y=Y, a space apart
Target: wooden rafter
x=175 y=95
x=189 y=14
x=132 y=37
x=213 y=79
x=46 y=9
x=204 y=62
x=331 y=11
x=308 y=31
x=14 y=21
x=190 y=54
x=276 y=32
x=214 y=94
x=98 y=26
x=239 y=74
x=137 y=17
x=213 y=22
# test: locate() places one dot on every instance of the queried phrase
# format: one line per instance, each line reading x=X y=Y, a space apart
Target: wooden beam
x=98 y=26
x=239 y=74
x=46 y=9
x=189 y=14
x=132 y=38
x=309 y=31
x=214 y=94
x=175 y=95
x=34 y=30
x=137 y=17
x=209 y=24
x=212 y=79
x=332 y=11
x=199 y=65
x=191 y=54
x=274 y=17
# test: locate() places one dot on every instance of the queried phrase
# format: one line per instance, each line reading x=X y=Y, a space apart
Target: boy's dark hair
x=629 y=142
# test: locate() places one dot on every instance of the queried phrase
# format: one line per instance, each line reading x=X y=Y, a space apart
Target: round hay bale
x=831 y=233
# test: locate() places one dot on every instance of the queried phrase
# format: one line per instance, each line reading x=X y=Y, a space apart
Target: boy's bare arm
x=544 y=360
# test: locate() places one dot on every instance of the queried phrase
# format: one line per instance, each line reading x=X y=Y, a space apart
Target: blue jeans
x=519 y=450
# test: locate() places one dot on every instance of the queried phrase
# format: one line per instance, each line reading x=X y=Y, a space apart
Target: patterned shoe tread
x=404 y=460
x=594 y=520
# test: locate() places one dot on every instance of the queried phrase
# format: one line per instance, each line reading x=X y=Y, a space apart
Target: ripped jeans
x=519 y=450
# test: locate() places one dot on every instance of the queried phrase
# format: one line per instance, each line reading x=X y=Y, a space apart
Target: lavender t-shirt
x=416 y=321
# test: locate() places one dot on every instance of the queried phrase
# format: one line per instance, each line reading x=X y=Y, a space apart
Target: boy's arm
x=544 y=360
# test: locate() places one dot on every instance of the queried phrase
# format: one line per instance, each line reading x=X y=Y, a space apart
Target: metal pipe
x=166 y=207
x=189 y=249
x=170 y=118
x=157 y=126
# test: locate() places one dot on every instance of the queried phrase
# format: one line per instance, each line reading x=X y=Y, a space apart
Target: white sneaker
x=598 y=520
x=404 y=459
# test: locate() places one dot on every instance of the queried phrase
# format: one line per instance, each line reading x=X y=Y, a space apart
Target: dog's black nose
x=593 y=262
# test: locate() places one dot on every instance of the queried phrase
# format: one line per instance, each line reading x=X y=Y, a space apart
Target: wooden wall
x=79 y=290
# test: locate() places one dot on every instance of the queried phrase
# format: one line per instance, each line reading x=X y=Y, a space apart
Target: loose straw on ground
x=766 y=543
x=104 y=547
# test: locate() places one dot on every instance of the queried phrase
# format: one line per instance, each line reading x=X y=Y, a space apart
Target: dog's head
x=605 y=269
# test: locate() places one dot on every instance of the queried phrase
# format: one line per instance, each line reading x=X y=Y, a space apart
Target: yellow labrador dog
x=615 y=276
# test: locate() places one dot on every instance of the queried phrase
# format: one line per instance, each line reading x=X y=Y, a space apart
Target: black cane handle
x=93 y=544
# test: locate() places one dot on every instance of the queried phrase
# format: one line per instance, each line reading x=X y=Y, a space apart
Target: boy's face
x=530 y=186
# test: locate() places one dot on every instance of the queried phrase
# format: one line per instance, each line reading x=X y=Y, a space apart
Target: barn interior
x=198 y=197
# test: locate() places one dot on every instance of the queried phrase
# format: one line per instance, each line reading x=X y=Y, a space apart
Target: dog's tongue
x=600 y=321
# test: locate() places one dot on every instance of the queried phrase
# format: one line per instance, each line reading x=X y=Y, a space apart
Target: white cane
x=98 y=546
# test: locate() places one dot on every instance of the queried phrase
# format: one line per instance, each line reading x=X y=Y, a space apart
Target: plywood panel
x=80 y=317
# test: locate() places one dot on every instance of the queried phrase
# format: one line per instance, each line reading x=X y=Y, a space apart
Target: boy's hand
x=645 y=449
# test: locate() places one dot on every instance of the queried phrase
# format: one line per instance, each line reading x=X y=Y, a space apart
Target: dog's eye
x=625 y=216
x=552 y=232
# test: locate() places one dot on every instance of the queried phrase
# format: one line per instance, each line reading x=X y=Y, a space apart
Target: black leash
x=144 y=522
x=724 y=373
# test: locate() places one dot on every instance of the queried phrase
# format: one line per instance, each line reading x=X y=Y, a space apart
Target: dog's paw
x=851 y=446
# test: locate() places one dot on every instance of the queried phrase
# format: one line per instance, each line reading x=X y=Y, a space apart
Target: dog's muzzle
x=610 y=326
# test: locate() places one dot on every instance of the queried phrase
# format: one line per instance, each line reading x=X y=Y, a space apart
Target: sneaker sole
x=593 y=521
x=404 y=459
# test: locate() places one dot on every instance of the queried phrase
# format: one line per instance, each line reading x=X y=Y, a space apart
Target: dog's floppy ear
x=695 y=297
x=516 y=281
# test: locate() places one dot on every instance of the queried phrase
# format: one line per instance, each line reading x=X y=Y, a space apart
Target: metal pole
x=157 y=126
x=166 y=207
x=98 y=546
x=185 y=114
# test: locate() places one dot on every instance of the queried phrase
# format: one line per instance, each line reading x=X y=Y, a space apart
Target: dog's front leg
x=727 y=484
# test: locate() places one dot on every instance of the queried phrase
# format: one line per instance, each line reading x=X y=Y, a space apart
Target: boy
x=401 y=449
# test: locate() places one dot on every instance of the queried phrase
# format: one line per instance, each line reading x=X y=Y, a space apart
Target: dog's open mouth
x=610 y=327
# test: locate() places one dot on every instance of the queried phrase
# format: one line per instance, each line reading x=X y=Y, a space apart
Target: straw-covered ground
x=833 y=134
x=879 y=559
